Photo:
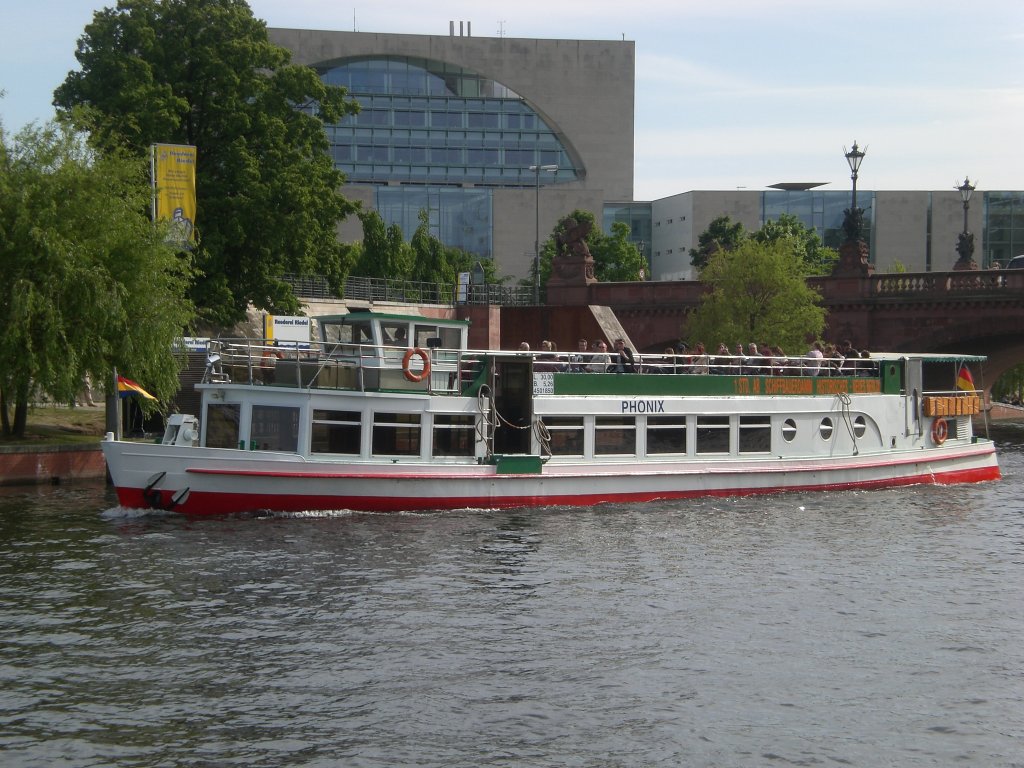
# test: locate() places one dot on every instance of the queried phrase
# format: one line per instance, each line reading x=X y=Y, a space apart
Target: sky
x=729 y=93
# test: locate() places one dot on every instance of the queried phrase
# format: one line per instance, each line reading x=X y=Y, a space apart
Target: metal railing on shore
x=374 y=289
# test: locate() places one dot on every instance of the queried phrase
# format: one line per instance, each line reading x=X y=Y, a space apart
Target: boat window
x=712 y=434
x=666 y=434
x=395 y=334
x=396 y=434
x=422 y=333
x=755 y=435
x=826 y=429
x=222 y=426
x=614 y=435
x=274 y=428
x=346 y=333
x=789 y=430
x=860 y=426
x=336 y=432
x=566 y=435
x=454 y=435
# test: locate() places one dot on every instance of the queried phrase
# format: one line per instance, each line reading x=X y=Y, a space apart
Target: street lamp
x=854 y=217
x=965 y=243
x=536 y=243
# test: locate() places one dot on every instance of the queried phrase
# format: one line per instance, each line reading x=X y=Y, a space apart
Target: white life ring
x=410 y=374
x=940 y=431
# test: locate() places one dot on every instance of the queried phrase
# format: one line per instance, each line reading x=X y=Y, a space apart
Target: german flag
x=127 y=387
x=964 y=380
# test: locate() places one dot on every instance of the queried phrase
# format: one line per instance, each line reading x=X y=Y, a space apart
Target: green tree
x=430 y=258
x=616 y=259
x=384 y=252
x=89 y=282
x=202 y=72
x=722 y=234
x=757 y=292
x=803 y=241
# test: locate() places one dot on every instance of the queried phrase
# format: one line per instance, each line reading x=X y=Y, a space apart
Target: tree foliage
x=801 y=240
x=89 y=282
x=430 y=259
x=722 y=234
x=384 y=252
x=203 y=72
x=757 y=292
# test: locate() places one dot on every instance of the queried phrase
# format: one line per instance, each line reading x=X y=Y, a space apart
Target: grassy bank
x=53 y=425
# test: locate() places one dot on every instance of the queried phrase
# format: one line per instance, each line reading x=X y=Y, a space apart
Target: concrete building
x=452 y=125
x=458 y=125
x=914 y=231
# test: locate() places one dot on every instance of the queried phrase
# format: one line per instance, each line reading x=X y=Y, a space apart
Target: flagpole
x=117 y=408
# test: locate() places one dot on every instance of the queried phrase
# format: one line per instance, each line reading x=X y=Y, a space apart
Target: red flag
x=127 y=387
x=964 y=380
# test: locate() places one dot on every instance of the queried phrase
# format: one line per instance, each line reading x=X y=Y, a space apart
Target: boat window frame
x=606 y=426
x=666 y=424
x=712 y=425
x=466 y=431
x=346 y=423
x=756 y=427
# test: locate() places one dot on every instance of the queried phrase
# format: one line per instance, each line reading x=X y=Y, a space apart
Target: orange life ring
x=940 y=431
x=410 y=374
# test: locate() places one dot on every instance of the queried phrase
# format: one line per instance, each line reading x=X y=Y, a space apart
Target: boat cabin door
x=512 y=384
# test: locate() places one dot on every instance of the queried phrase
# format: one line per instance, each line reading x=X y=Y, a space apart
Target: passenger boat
x=392 y=412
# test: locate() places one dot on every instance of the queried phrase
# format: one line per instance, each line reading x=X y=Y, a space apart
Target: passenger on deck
x=699 y=362
x=600 y=360
x=623 y=362
x=579 y=359
x=812 y=365
x=547 y=360
x=753 y=365
x=720 y=362
x=739 y=360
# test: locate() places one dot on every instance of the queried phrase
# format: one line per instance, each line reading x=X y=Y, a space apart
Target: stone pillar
x=853 y=260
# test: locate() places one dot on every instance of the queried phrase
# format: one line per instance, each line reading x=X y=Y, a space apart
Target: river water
x=881 y=628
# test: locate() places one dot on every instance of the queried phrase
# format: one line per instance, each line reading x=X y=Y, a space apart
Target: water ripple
x=867 y=628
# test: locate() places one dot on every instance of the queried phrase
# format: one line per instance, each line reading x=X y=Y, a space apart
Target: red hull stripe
x=212 y=503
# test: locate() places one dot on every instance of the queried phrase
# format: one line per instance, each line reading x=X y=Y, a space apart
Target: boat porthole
x=825 y=430
x=860 y=426
x=789 y=430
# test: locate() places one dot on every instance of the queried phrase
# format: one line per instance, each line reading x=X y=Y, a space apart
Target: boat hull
x=202 y=481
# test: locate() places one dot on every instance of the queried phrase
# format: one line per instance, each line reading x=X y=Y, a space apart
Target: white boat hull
x=205 y=481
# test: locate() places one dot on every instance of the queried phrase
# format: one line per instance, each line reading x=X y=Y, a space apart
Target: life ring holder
x=410 y=374
x=940 y=431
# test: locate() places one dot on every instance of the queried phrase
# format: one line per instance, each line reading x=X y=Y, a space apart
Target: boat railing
x=383 y=367
x=339 y=366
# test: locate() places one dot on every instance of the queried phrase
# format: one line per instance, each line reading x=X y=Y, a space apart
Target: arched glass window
x=426 y=121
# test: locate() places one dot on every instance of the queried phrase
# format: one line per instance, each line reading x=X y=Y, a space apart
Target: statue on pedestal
x=573 y=262
x=965 y=247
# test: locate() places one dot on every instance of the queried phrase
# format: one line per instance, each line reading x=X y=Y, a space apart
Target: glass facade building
x=434 y=136
x=821 y=211
x=1004 y=227
x=637 y=216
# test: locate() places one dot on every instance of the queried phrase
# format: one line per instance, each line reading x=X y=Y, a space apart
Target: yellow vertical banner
x=173 y=168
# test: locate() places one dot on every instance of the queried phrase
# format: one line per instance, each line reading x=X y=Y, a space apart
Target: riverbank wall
x=50 y=464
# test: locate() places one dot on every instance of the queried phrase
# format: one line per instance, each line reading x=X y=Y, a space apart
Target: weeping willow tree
x=89 y=283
